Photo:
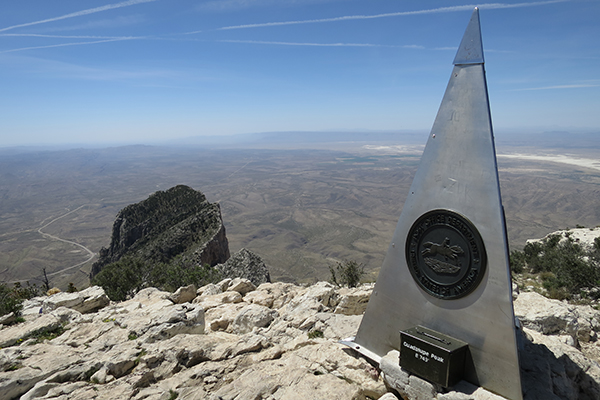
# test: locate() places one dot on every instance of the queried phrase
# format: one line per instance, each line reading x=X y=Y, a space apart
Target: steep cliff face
x=176 y=222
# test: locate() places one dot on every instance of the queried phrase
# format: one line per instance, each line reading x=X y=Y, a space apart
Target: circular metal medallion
x=445 y=254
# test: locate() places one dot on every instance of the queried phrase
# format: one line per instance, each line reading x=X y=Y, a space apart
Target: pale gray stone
x=11 y=335
x=252 y=316
x=553 y=317
x=215 y=300
x=184 y=294
x=241 y=285
x=39 y=390
x=88 y=300
x=394 y=376
x=212 y=288
x=420 y=389
x=8 y=319
x=353 y=301
x=147 y=346
x=101 y=376
x=219 y=318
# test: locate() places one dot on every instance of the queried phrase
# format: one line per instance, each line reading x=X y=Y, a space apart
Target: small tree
x=11 y=299
x=565 y=267
x=347 y=273
x=122 y=279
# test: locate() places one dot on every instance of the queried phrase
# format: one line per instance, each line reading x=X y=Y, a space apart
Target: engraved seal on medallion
x=445 y=254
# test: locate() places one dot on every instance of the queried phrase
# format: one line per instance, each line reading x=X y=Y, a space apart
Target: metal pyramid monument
x=447 y=266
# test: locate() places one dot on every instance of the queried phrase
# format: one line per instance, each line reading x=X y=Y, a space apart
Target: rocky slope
x=584 y=236
x=233 y=340
x=176 y=222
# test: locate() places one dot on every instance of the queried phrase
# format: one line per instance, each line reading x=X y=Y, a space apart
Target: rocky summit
x=234 y=340
x=176 y=222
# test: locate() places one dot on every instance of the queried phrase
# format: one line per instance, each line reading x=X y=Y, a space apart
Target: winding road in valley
x=91 y=254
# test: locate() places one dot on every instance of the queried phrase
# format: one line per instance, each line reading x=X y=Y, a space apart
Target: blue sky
x=141 y=71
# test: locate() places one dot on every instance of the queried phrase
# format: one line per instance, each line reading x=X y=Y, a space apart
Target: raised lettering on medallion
x=445 y=254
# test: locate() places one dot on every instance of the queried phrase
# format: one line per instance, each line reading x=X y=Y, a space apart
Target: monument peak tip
x=470 y=50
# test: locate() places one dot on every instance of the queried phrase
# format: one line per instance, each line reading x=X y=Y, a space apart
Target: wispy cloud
x=318 y=44
x=573 y=86
x=105 y=23
x=135 y=75
x=394 y=14
x=72 y=44
x=229 y=5
x=68 y=36
x=79 y=13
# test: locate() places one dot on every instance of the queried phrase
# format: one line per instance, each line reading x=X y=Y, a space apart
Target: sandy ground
x=564 y=159
x=558 y=158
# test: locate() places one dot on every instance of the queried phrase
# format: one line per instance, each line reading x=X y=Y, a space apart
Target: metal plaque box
x=433 y=356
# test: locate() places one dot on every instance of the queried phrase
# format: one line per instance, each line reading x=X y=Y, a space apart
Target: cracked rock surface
x=236 y=341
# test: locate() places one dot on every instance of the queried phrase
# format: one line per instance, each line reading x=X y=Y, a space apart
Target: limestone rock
x=253 y=316
x=554 y=369
x=353 y=301
x=241 y=285
x=219 y=318
x=273 y=295
x=216 y=300
x=88 y=300
x=554 y=317
x=8 y=319
x=317 y=298
x=245 y=264
x=183 y=294
x=46 y=323
x=278 y=341
x=212 y=289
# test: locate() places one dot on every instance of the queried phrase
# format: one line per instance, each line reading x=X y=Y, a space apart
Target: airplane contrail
x=573 y=86
x=80 y=13
x=71 y=44
x=65 y=36
x=309 y=44
x=394 y=14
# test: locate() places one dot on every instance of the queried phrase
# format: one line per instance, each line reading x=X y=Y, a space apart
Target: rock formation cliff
x=176 y=222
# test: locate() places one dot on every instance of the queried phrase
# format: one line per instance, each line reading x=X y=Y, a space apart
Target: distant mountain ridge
x=304 y=137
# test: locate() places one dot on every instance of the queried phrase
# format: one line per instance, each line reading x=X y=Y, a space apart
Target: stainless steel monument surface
x=447 y=266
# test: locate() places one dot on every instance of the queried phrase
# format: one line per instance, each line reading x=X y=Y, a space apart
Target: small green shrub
x=14 y=367
x=48 y=333
x=315 y=334
x=123 y=279
x=565 y=268
x=11 y=299
x=347 y=273
x=517 y=261
x=173 y=394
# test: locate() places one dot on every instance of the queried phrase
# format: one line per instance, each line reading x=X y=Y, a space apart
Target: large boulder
x=85 y=301
x=245 y=264
x=554 y=317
